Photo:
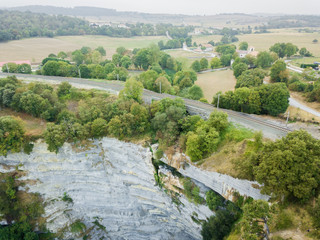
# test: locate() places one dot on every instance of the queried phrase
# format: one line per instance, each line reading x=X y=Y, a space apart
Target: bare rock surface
x=223 y=184
x=111 y=183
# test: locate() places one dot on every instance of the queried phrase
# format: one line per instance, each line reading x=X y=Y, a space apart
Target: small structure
x=250 y=51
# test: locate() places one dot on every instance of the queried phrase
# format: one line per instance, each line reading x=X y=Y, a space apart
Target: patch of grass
x=78 y=227
x=213 y=82
x=33 y=126
x=66 y=198
x=99 y=225
x=306 y=60
x=237 y=133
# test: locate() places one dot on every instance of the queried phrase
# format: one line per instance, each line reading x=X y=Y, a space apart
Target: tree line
x=16 y=25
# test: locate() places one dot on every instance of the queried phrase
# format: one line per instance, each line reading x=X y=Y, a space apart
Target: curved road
x=254 y=122
x=295 y=103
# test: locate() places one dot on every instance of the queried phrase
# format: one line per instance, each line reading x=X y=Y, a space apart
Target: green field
x=262 y=42
x=213 y=82
x=187 y=58
x=309 y=60
x=35 y=49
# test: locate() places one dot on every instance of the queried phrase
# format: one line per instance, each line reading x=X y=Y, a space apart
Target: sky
x=190 y=7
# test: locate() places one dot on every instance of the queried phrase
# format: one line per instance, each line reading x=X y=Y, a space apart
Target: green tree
x=218 y=226
x=291 y=49
x=195 y=92
x=109 y=68
x=148 y=79
x=132 y=90
x=274 y=98
x=165 y=84
x=125 y=62
x=101 y=50
x=54 y=137
x=288 y=168
x=121 y=51
x=243 y=46
x=239 y=68
x=278 y=72
x=11 y=135
x=280 y=49
x=24 y=68
x=196 y=66
x=116 y=59
x=251 y=78
x=226 y=60
x=215 y=63
x=99 y=128
x=204 y=63
x=64 y=89
x=264 y=60
x=62 y=55
x=78 y=57
x=255 y=215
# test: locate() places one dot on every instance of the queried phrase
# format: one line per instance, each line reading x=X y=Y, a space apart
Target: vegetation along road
x=269 y=129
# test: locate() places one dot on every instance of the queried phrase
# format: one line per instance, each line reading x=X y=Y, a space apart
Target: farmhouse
x=250 y=51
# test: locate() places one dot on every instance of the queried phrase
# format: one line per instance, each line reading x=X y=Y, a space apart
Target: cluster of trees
x=201 y=65
x=227 y=53
x=204 y=137
x=89 y=64
x=175 y=43
x=308 y=82
x=288 y=50
x=23 y=217
x=271 y=99
x=288 y=168
x=17 y=68
x=296 y=21
x=16 y=25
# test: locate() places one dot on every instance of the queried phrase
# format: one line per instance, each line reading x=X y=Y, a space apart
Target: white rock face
x=113 y=182
x=223 y=184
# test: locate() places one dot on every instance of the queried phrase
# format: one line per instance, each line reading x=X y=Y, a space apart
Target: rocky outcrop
x=223 y=184
x=112 y=183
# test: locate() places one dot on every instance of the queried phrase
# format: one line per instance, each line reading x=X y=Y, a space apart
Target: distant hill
x=76 y=11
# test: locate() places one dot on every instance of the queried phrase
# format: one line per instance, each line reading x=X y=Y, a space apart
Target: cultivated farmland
x=35 y=49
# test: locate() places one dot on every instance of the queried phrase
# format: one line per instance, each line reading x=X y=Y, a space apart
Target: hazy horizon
x=203 y=7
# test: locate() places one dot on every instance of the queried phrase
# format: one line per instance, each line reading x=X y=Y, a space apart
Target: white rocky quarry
x=111 y=182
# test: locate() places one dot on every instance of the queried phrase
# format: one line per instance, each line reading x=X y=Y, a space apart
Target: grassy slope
x=33 y=126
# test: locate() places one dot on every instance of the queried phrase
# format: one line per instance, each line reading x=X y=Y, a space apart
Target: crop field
x=263 y=42
x=35 y=49
x=213 y=82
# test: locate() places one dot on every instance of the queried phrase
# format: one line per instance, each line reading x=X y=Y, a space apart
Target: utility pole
x=118 y=77
x=218 y=101
x=7 y=68
x=160 y=87
x=79 y=72
x=287 y=118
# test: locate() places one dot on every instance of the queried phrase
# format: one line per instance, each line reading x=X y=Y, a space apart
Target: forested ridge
x=16 y=25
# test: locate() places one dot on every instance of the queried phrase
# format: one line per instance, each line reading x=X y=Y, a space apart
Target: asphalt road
x=254 y=122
